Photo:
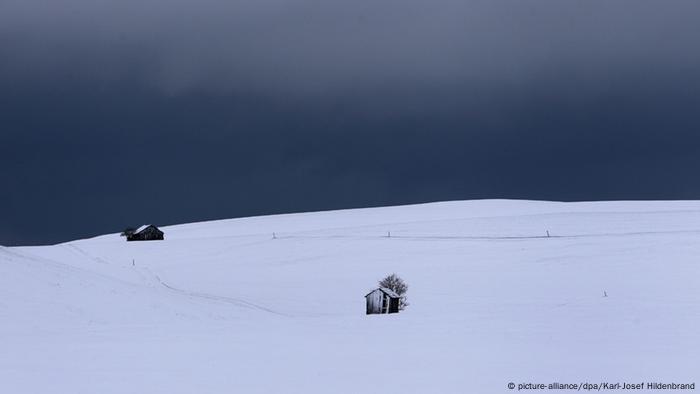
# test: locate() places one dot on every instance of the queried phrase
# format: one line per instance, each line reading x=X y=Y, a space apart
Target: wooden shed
x=382 y=300
x=147 y=232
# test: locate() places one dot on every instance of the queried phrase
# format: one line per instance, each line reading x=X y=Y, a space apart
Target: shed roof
x=385 y=290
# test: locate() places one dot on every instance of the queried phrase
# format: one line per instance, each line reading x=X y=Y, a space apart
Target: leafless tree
x=395 y=283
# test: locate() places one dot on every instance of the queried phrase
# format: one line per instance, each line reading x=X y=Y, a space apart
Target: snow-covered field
x=222 y=307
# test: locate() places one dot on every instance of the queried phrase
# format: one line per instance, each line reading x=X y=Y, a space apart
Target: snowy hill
x=222 y=307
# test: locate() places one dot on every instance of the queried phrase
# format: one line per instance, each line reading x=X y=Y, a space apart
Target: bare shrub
x=398 y=286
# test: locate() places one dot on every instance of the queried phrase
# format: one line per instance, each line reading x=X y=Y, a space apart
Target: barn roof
x=385 y=290
x=145 y=226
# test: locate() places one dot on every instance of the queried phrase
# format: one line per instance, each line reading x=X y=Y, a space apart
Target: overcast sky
x=119 y=113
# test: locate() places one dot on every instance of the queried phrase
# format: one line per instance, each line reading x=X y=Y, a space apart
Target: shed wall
x=374 y=302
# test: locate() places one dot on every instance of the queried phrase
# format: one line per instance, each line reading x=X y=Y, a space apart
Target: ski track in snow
x=82 y=252
x=212 y=297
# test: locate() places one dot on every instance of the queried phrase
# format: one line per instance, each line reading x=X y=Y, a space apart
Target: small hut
x=147 y=232
x=382 y=300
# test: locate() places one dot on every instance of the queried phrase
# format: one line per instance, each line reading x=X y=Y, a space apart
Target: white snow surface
x=222 y=307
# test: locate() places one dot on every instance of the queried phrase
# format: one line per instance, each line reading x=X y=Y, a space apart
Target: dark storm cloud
x=216 y=109
x=318 y=46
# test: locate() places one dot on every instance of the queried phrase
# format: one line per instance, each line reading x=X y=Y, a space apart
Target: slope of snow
x=221 y=307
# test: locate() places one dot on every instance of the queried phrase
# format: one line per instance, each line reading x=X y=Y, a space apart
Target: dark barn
x=147 y=232
x=382 y=300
